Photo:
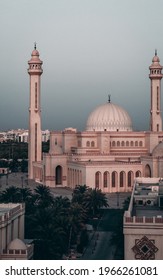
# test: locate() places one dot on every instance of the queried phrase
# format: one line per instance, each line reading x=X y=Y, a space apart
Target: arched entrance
x=58 y=175
x=147 y=171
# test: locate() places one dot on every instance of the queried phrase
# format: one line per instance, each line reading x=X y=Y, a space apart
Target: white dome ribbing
x=109 y=117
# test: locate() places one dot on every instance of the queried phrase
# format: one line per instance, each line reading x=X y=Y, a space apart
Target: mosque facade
x=108 y=154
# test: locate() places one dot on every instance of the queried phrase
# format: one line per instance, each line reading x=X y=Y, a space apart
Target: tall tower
x=35 y=137
x=155 y=77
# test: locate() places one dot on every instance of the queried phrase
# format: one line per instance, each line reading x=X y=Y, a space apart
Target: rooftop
x=148 y=199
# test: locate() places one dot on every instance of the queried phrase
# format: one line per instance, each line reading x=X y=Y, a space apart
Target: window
x=114 y=179
x=122 y=179
x=106 y=179
x=140 y=143
x=97 y=180
x=36 y=103
x=88 y=144
x=118 y=143
x=130 y=178
x=158 y=105
x=92 y=144
x=58 y=175
x=35 y=141
x=113 y=144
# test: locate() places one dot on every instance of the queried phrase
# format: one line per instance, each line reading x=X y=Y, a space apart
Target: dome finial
x=109 y=98
x=155 y=52
x=35 y=45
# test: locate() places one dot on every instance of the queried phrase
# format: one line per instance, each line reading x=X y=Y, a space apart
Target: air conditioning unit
x=150 y=202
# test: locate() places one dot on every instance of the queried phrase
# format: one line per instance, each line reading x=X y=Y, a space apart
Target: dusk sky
x=89 y=48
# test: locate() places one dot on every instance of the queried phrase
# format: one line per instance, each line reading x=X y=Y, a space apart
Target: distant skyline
x=89 y=48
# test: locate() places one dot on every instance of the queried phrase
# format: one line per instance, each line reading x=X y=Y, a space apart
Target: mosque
x=108 y=154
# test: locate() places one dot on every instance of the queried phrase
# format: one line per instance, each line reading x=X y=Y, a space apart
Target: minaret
x=155 y=76
x=35 y=137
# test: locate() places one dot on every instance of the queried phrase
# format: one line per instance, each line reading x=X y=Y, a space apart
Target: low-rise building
x=12 y=244
x=143 y=221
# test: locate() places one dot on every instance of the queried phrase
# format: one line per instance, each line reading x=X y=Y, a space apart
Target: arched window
x=118 y=144
x=114 y=179
x=136 y=143
x=58 y=175
x=140 y=143
x=88 y=144
x=138 y=173
x=122 y=179
x=147 y=171
x=122 y=143
x=132 y=143
x=127 y=143
x=92 y=144
x=113 y=144
x=97 y=179
x=130 y=178
x=106 y=179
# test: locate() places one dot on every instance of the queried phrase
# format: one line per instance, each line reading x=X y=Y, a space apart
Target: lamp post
x=117 y=199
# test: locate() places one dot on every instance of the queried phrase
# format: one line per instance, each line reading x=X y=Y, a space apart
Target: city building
x=12 y=244
x=143 y=221
x=21 y=135
x=108 y=155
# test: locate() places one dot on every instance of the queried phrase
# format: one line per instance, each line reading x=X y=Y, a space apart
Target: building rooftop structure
x=143 y=221
x=147 y=198
x=12 y=243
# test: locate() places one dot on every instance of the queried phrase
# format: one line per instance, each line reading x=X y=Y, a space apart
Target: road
x=99 y=247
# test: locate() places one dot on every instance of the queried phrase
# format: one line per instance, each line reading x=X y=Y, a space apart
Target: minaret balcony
x=155 y=76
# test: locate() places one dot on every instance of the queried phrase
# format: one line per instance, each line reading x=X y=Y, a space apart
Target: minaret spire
x=155 y=52
x=35 y=45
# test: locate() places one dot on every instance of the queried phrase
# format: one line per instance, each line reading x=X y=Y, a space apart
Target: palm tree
x=25 y=194
x=61 y=204
x=43 y=196
x=11 y=194
x=78 y=193
x=76 y=221
x=94 y=199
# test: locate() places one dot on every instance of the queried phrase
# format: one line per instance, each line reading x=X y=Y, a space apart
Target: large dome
x=109 y=117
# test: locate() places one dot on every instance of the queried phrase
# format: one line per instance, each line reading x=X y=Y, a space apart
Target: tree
x=51 y=237
x=126 y=203
x=11 y=194
x=78 y=193
x=94 y=199
x=43 y=196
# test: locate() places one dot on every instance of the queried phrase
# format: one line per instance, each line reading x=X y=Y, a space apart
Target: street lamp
x=117 y=199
